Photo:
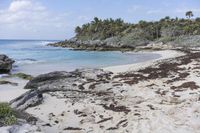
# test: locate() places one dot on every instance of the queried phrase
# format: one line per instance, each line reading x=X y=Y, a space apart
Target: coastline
x=14 y=91
x=136 y=66
x=128 y=71
x=100 y=101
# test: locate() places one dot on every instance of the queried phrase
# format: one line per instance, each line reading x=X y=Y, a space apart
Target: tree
x=198 y=19
x=189 y=14
x=78 y=30
x=166 y=27
x=96 y=20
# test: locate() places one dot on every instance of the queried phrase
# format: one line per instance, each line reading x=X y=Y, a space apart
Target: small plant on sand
x=23 y=76
x=7 y=116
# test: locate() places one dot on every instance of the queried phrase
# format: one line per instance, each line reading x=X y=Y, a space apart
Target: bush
x=7 y=116
x=23 y=76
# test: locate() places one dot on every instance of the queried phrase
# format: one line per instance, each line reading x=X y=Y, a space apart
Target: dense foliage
x=165 y=28
x=101 y=29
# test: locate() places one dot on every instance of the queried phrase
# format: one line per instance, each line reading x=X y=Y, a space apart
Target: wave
x=44 y=43
x=27 y=61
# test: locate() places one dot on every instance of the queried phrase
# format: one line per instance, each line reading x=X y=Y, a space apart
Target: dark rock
x=5 y=64
x=72 y=128
x=63 y=82
x=8 y=82
x=29 y=99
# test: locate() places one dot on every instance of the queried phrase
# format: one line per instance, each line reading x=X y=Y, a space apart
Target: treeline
x=167 y=28
x=101 y=29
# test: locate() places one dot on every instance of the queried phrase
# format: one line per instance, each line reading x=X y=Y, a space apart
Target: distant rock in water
x=5 y=64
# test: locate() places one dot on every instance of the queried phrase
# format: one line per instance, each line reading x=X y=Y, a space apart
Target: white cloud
x=28 y=5
x=30 y=16
x=23 y=10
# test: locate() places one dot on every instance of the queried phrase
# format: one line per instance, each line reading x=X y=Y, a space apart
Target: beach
x=164 y=54
x=10 y=92
x=88 y=67
x=166 y=101
x=144 y=97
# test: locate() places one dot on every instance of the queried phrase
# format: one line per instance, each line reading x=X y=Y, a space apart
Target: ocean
x=34 y=57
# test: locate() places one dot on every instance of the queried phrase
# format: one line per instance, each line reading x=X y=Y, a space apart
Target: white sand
x=165 y=54
x=9 y=92
x=150 y=111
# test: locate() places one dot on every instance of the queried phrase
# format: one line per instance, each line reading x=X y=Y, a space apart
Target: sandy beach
x=99 y=66
x=9 y=91
x=165 y=54
x=134 y=104
x=157 y=96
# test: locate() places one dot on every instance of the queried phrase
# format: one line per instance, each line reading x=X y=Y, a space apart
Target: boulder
x=23 y=128
x=5 y=64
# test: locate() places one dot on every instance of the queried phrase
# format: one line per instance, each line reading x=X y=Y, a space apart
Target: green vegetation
x=7 y=116
x=189 y=14
x=166 y=29
x=22 y=76
x=101 y=29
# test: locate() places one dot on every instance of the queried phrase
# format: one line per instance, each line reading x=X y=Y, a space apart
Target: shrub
x=7 y=116
x=23 y=76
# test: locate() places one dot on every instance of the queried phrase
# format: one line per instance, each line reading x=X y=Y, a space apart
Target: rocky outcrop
x=155 y=46
x=5 y=64
x=109 y=44
x=131 y=42
x=71 y=82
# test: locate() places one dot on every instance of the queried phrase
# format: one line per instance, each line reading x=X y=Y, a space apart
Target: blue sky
x=56 y=19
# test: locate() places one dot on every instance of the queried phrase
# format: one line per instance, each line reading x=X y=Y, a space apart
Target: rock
x=5 y=64
x=186 y=41
x=155 y=46
x=23 y=128
x=29 y=99
x=3 y=82
x=59 y=81
x=109 y=44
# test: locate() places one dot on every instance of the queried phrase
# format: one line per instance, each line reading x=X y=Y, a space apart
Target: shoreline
x=18 y=90
x=136 y=66
x=101 y=101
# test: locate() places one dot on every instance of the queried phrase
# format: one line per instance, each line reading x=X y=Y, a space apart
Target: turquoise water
x=34 y=57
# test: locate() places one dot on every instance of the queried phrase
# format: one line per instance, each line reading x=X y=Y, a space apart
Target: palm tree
x=189 y=14
x=96 y=20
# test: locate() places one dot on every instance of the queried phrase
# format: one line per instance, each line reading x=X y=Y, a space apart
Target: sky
x=56 y=19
